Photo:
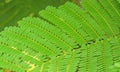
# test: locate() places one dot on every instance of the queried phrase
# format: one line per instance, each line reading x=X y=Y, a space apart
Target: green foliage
x=13 y=10
x=69 y=38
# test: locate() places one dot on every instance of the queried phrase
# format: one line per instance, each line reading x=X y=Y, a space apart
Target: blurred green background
x=13 y=10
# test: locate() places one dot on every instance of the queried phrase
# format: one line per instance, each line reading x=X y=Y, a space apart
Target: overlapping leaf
x=65 y=39
x=13 y=10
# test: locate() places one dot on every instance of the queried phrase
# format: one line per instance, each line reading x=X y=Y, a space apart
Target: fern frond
x=65 y=39
x=14 y=10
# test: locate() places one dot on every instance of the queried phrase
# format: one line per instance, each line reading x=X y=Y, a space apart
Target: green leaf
x=69 y=38
x=14 y=10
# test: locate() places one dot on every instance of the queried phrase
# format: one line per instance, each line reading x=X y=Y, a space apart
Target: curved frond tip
x=69 y=38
